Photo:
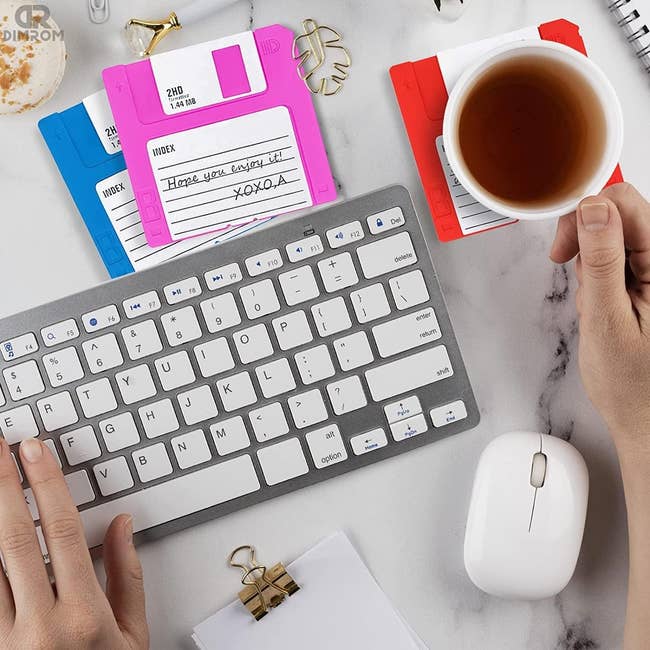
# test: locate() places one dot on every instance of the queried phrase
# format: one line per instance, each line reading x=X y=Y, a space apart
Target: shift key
x=405 y=375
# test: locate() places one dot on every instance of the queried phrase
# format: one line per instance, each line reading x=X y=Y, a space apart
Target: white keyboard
x=236 y=374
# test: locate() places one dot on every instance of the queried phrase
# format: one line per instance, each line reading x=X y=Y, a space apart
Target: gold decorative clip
x=143 y=36
x=264 y=588
x=310 y=49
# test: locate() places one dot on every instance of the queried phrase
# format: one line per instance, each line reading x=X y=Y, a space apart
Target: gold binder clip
x=264 y=588
x=310 y=49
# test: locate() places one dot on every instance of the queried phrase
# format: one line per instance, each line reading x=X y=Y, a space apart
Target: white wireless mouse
x=526 y=516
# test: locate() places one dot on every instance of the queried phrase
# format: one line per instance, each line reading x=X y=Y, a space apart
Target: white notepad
x=339 y=605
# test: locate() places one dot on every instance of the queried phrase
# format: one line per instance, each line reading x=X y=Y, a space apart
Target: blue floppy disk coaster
x=84 y=143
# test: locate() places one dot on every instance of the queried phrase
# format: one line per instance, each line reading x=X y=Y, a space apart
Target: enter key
x=408 y=332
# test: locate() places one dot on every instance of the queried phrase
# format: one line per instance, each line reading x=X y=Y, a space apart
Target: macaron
x=32 y=56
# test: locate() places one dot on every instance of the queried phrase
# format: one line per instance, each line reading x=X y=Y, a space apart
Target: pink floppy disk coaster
x=219 y=134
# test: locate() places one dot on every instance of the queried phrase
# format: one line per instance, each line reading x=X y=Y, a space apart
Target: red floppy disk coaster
x=422 y=89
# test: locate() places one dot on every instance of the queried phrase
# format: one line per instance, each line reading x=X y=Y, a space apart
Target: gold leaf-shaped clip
x=314 y=50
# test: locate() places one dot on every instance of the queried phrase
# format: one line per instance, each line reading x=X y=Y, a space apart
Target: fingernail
x=128 y=530
x=595 y=216
x=31 y=450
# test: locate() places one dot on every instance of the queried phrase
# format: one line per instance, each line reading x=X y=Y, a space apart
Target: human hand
x=609 y=236
x=76 y=615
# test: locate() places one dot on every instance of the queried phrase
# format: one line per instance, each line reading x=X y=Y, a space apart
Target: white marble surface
x=513 y=312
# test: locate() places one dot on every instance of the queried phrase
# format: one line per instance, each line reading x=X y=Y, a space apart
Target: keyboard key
x=214 y=357
x=405 y=375
x=135 y=384
x=347 y=395
x=345 y=234
x=366 y=442
x=182 y=290
x=191 y=449
x=96 y=398
x=197 y=405
x=353 y=351
x=338 y=272
x=408 y=332
x=253 y=343
x=264 y=262
x=57 y=411
x=30 y=500
x=269 y=422
x=298 y=285
x=80 y=488
x=62 y=332
x=444 y=415
x=181 y=326
x=404 y=429
x=236 y=391
x=275 y=378
x=386 y=255
x=220 y=312
x=370 y=303
x=259 y=299
x=102 y=353
x=326 y=446
x=303 y=249
x=331 y=317
x=402 y=410
x=223 y=276
x=385 y=220
x=19 y=347
x=142 y=340
x=53 y=450
x=409 y=290
x=230 y=436
x=100 y=319
x=307 y=409
x=18 y=424
x=292 y=330
x=3 y=401
x=158 y=418
x=152 y=462
x=63 y=367
x=314 y=364
x=113 y=476
x=173 y=499
x=119 y=432
x=80 y=445
x=175 y=370
x=145 y=303
x=282 y=462
x=24 y=381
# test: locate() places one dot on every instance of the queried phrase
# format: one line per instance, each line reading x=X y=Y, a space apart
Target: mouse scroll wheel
x=538 y=470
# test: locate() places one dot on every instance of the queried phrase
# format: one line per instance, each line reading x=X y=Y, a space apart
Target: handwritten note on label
x=116 y=195
x=472 y=215
x=229 y=173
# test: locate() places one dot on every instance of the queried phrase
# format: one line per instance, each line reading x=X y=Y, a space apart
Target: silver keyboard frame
x=286 y=230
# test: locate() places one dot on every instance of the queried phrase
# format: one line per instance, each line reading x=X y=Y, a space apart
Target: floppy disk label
x=229 y=173
x=116 y=195
x=208 y=73
x=472 y=215
x=101 y=117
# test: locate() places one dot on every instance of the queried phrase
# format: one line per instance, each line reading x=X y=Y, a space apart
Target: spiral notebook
x=633 y=17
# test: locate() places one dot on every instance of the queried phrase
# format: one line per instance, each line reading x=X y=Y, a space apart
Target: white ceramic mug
x=596 y=80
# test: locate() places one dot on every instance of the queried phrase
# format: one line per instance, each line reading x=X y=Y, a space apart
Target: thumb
x=124 y=582
x=602 y=255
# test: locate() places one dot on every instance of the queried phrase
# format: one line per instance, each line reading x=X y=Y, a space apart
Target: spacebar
x=407 y=374
x=181 y=496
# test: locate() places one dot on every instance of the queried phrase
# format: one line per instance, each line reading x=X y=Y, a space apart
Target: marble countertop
x=513 y=311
